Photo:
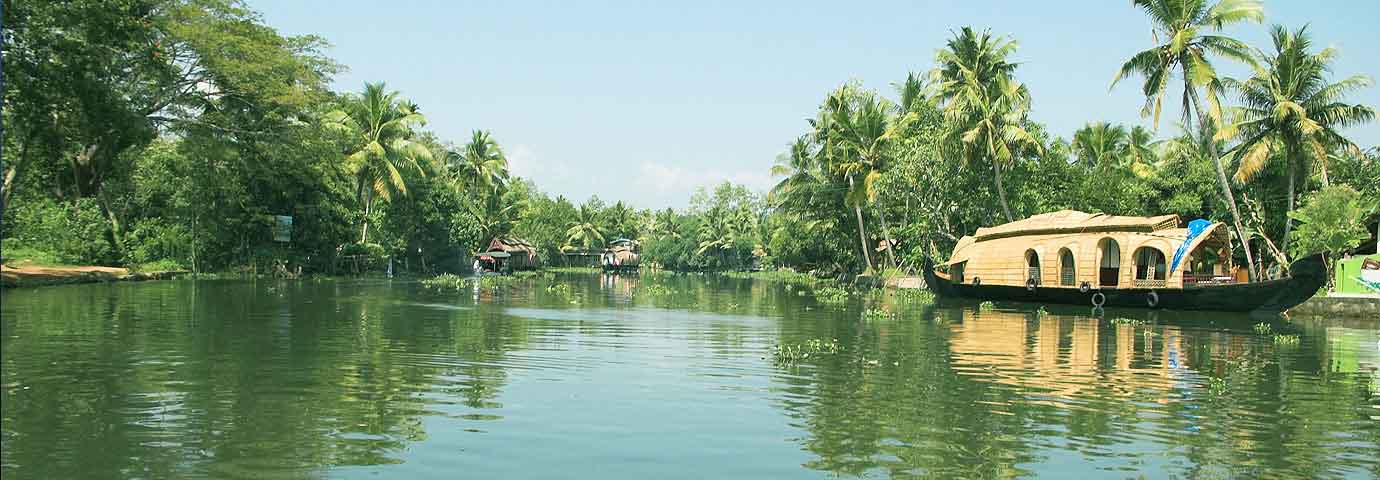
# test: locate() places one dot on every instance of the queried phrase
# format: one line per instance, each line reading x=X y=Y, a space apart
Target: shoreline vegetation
x=205 y=140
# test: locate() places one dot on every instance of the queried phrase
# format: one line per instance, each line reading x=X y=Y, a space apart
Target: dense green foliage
x=1332 y=221
x=171 y=132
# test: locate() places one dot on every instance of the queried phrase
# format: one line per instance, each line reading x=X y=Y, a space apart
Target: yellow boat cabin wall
x=1068 y=248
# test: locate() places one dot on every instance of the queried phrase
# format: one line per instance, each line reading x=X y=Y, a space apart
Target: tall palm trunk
x=1001 y=192
x=862 y=234
x=1235 y=217
x=368 y=209
x=1288 y=221
x=886 y=230
x=1323 y=164
x=1252 y=268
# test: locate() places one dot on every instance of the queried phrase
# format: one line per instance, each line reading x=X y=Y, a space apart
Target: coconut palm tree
x=380 y=123
x=716 y=233
x=1291 y=112
x=584 y=230
x=984 y=105
x=481 y=166
x=1182 y=45
x=620 y=221
x=1099 y=144
x=862 y=130
x=798 y=170
x=1140 y=157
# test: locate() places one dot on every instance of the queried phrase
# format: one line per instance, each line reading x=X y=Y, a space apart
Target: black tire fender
x=1084 y=288
x=1152 y=299
x=1098 y=299
x=1030 y=284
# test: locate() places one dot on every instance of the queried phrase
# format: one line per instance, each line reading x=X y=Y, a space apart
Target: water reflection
x=661 y=375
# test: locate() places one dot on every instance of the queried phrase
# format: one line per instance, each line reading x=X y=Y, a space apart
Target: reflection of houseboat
x=506 y=254
x=1077 y=258
x=621 y=256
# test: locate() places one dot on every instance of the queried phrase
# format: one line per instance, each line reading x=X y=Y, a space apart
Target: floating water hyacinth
x=987 y=306
x=790 y=354
x=878 y=314
x=831 y=295
x=1263 y=328
x=444 y=280
x=655 y=289
x=1127 y=321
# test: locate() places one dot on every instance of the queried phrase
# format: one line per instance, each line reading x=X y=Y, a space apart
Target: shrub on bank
x=59 y=233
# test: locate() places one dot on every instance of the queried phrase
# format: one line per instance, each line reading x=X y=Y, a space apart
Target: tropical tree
x=1290 y=112
x=620 y=221
x=716 y=233
x=798 y=171
x=984 y=106
x=1140 y=156
x=1099 y=144
x=861 y=129
x=584 y=231
x=380 y=123
x=481 y=166
x=1103 y=144
x=1182 y=45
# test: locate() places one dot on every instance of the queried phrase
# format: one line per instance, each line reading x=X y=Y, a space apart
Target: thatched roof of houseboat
x=1073 y=221
x=1065 y=228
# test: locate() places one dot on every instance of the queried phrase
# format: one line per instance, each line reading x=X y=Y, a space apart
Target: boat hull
x=1307 y=275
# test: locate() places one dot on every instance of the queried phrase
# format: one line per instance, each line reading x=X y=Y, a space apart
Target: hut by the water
x=506 y=253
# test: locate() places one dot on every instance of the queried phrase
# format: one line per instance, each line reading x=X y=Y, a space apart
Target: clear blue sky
x=644 y=101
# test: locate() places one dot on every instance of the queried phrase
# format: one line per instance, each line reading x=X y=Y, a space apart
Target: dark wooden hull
x=1307 y=275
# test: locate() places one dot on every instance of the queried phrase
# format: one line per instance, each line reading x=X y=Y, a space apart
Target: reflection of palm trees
x=969 y=396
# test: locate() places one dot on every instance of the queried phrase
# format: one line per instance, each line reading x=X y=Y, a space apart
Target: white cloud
x=679 y=180
x=651 y=185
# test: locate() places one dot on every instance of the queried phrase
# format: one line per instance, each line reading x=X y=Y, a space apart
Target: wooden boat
x=1078 y=258
x=621 y=256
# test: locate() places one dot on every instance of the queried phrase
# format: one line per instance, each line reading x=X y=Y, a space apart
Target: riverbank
x=34 y=276
x=1340 y=305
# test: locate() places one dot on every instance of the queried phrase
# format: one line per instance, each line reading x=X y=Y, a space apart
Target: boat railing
x=1207 y=279
x=1148 y=283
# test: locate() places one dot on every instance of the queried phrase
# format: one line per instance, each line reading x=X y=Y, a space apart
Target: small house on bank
x=506 y=254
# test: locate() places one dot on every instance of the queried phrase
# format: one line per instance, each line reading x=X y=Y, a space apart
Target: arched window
x=1150 y=266
x=1032 y=266
x=1067 y=273
x=1109 y=269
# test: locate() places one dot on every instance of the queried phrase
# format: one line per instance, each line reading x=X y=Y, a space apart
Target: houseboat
x=1079 y=258
x=622 y=255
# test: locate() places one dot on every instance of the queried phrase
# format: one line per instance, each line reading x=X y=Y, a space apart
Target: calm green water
x=660 y=377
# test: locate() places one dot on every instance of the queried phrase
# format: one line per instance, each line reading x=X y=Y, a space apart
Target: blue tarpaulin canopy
x=1195 y=228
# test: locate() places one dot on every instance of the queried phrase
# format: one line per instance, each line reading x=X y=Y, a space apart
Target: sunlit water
x=662 y=377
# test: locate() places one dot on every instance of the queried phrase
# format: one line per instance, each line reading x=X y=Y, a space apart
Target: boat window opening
x=1150 y=267
x=1109 y=269
x=956 y=272
x=1208 y=264
x=1032 y=266
x=1067 y=273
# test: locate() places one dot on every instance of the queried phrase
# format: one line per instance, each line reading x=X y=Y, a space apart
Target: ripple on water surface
x=661 y=376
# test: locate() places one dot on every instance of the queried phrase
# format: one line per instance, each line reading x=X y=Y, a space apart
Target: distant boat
x=1073 y=257
x=622 y=255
